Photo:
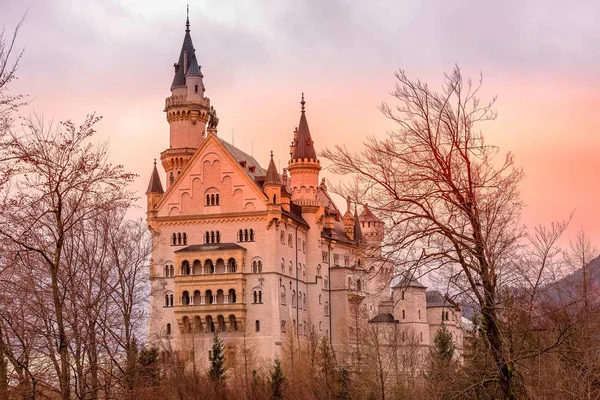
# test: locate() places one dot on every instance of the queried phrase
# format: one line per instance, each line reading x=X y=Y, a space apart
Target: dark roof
x=408 y=280
x=436 y=299
x=240 y=156
x=272 y=175
x=210 y=247
x=358 y=236
x=295 y=213
x=179 y=78
x=154 y=186
x=194 y=69
x=338 y=232
x=367 y=215
x=303 y=143
x=383 y=317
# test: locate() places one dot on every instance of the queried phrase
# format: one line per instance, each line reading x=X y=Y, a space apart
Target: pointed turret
x=155 y=186
x=272 y=185
x=272 y=175
x=349 y=220
x=154 y=193
x=304 y=166
x=303 y=144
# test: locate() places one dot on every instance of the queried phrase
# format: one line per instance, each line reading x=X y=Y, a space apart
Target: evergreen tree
x=443 y=349
x=217 y=362
x=148 y=367
x=276 y=381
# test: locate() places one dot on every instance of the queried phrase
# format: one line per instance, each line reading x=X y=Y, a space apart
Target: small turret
x=154 y=192
x=272 y=185
x=349 y=220
x=373 y=229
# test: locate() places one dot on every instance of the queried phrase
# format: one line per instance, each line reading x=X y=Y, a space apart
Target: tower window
x=196 y=89
x=257 y=326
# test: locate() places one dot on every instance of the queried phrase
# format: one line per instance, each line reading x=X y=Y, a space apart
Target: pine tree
x=443 y=349
x=276 y=381
x=217 y=362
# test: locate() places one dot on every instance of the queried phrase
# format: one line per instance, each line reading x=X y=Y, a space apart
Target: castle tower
x=349 y=220
x=153 y=193
x=187 y=110
x=304 y=166
x=372 y=228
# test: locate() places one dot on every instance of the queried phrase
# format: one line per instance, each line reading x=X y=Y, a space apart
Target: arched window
x=185 y=298
x=218 y=237
x=358 y=285
x=282 y=237
x=282 y=296
x=212 y=199
x=282 y=266
x=231 y=265
x=291 y=268
x=166 y=271
x=240 y=236
x=274 y=199
x=319 y=270
x=210 y=325
x=178 y=238
x=325 y=282
x=185 y=268
x=184 y=238
x=195 y=88
x=208 y=199
x=220 y=296
x=212 y=236
x=293 y=298
x=171 y=178
x=171 y=300
x=233 y=323
x=403 y=314
x=221 y=323
x=245 y=235
x=198 y=324
x=168 y=329
x=208 y=297
x=419 y=314
x=166 y=300
x=259 y=266
x=187 y=326
x=304 y=300
x=174 y=239
x=326 y=309
x=257 y=326
x=290 y=240
x=217 y=199
x=252 y=235
x=319 y=299
x=207 y=237
x=172 y=271
x=232 y=296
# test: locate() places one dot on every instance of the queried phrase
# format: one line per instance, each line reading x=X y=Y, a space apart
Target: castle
x=238 y=248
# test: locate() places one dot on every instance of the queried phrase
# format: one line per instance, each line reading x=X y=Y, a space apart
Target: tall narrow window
x=245 y=235
x=240 y=236
x=184 y=238
x=208 y=200
x=212 y=236
x=174 y=239
x=196 y=89
x=212 y=199
x=168 y=329
x=218 y=237
x=206 y=237
x=179 y=238
x=252 y=235
x=257 y=326
x=217 y=199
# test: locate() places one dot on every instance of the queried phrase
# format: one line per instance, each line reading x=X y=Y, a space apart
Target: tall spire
x=303 y=145
x=272 y=177
x=187 y=58
x=187 y=21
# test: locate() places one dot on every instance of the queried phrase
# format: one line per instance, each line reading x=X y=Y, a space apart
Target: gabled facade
x=239 y=248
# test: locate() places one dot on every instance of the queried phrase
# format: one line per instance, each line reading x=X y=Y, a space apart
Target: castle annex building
x=240 y=248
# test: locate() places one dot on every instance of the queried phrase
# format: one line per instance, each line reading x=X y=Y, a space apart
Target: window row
x=212 y=237
x=245 y=235
x=179 y=239
x=208 y=267
x=301 y=298
x=301 y=268
x=418 y=314
x=208 y=297
x=206 y=325
x=302 y=327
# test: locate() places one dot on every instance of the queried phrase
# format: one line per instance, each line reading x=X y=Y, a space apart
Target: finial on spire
x=187 y=21
x=271 y=154
x=302 y=103
x=155 y=162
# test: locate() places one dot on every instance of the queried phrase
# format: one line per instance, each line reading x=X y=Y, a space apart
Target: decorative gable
x=213 y=182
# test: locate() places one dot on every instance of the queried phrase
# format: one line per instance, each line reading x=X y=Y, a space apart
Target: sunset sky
x=542 y=59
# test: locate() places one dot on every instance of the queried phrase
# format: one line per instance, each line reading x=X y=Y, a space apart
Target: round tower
x=304 y=166
x=187 y=110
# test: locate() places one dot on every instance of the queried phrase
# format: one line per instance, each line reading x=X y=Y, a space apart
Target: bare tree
x=61 y=181
x=448 y=202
